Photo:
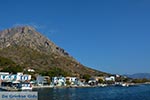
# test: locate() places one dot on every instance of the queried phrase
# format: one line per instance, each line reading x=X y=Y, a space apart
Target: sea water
x=139 y=92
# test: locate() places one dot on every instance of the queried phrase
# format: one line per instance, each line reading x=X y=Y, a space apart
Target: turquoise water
x=141 y=92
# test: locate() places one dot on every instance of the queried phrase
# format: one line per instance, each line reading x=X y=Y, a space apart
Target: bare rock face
x=27 y=47
x=29 y=37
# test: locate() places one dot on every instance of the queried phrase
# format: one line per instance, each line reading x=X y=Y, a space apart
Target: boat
x=25 y=86
x=9 y=85
x=102 y=85
x=121 y=84
x=124 y=84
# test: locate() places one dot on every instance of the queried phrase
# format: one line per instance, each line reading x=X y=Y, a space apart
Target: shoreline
x=59 y=87
x=132 y=84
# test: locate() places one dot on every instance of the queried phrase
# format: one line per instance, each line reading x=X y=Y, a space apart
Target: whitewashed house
x=31 y=70
x=59 y=81
x=93 y=81
x=42 y=80
x=111 y=78
x=4 y=73
x=15 y=77
x=72 y=80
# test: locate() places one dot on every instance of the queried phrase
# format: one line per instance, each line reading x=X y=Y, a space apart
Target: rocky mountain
x=139 y=75
x=28 y=37
x=30 y=49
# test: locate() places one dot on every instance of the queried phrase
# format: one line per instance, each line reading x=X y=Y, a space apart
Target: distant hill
x=140 y=75
x=30 y=49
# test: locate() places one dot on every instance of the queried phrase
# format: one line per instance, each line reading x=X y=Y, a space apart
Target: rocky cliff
x=28 y=48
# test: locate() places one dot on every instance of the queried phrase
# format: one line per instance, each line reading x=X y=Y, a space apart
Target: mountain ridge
x=139 y=75
x=29 y=48
x=17 y=36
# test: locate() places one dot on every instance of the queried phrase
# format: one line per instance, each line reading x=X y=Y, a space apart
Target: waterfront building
x=58 y=81
x=72 y=80
x=93 y=81
x=14 y=77
x=111 y=78
x=4 y=73
x=97 y=78
x=42 y=80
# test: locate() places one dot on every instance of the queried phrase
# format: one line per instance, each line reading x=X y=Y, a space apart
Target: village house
x=93 y=81
x=111 y=78
x=42 y=80
x=97 y=78
x=81 y=82
x=58 y=81
x=72 y=80
x=31 y=70
x=14 y=78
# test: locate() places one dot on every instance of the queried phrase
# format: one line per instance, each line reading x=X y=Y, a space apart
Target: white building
x=59 y=81
x=40 y=80
x=111 y=78
x=23 y=77
x=4 y=73
x=72 y=80
x=31 y=70
x=14 y=77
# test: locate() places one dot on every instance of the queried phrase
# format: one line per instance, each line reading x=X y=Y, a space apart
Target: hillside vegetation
x=24 y=47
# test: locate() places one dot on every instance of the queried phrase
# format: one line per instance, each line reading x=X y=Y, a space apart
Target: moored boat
x=25 y=86
x=125 y=84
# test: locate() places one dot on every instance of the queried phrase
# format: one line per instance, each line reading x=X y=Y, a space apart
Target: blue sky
x=108 y=35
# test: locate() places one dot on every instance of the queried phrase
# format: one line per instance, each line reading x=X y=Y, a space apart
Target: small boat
x=25 y=86
x=102 y=85
x=121 y=84
x=125 y=84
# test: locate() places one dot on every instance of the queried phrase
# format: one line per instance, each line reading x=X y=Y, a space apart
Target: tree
x=5 y=62
x=140 y=80
x=100 y=81
x=86 y=77
x=54 y=72
x=67 y=82
x=13 y=69
x=48 y=81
